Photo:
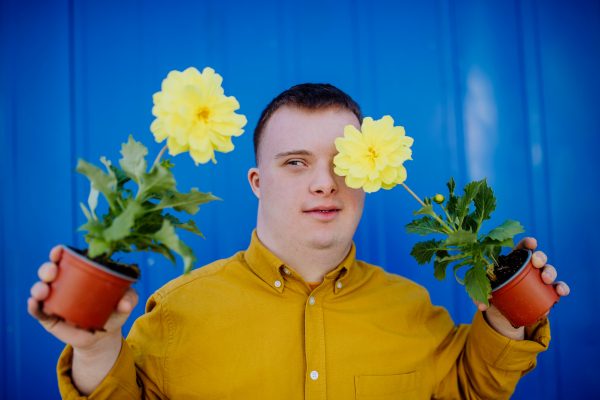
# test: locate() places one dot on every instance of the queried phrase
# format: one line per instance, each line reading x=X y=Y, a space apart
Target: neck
x=310 y=262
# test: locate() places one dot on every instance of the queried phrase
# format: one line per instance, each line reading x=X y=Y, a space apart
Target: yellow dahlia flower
x=373 y=159
x=193 y=114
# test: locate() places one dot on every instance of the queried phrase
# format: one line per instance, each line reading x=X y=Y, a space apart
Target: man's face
x=301 y=198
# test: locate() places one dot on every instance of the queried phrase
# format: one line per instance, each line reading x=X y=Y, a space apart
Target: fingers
x=482 y=307
x=34 y=309
x=40 y=291
x=549 y=274
x=48 y=271
x=539 y=259
x=528 y=243
x=562 y=289
x=128 y=302
x=55 y=254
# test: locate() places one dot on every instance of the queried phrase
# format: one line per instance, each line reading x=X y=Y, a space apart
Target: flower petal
x=159 y=130
x=372 y=186
x=401 y=175
x=354 y=182
x=389 y=174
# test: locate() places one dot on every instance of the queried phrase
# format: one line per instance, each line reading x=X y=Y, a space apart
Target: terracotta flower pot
x=524 y=298
x=84 y=292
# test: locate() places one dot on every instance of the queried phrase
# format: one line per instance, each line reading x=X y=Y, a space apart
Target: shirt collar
x=268 y=267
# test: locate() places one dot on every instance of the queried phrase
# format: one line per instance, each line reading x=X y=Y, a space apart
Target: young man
x=295 y=316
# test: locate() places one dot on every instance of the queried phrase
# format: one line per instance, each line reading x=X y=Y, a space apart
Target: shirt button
x=287 y=271
x=311 y=301
x=339 y=285
x=277 y=283
x=314 y=375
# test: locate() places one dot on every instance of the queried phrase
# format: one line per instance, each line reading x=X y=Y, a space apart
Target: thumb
x=128 y=302
x=482 y=307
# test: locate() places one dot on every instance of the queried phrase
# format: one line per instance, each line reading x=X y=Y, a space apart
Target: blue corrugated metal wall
x=507 y=90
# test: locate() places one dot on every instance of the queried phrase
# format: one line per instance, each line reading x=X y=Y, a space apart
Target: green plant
x=135 y=222
x=463 y=245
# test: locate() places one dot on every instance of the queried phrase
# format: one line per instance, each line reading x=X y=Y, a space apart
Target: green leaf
x=167 y=236
x=188 y=202
x=121 y=176
x=492 y=251
x=468 y=261
x=134 y=159
x=506 y=231
x=105 y=183
x=459 y=238
x=505 y=243
x=97 y=246
x=93 y=200
x=462 y=205
x=142 y=243
x=164 y=250
x=167 y=164
x=85 y=211
x=157 y=180
x=441 y=262
x=485 y=203
x=470 y=224
x=423 y=251
x=189 y=226
x=451 y=185
x=427 y=210
x=424 y=226
x=121 y=226
x=93 y=226
x=477 y=283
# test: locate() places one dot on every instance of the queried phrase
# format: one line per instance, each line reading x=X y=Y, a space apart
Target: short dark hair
x=309 y=96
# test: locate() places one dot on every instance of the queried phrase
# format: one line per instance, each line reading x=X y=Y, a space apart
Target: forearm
x=91 y=366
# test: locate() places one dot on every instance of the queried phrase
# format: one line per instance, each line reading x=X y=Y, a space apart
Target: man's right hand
x=80 y=339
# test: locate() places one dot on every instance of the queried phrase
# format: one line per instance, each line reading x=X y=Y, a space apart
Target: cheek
x=280 y=192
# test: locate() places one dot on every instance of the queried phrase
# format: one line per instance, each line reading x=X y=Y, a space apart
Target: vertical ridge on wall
x=73 y=112
x=10 y=253
x=452 y=110
x=6 y=183
x=538 y=170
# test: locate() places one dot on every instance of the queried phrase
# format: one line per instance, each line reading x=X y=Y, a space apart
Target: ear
x=253 y=178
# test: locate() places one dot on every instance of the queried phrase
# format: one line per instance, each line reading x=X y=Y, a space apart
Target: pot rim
x=518 y=271
x=96 y=265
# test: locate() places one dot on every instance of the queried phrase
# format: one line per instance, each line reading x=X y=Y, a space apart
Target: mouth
x=323 y=213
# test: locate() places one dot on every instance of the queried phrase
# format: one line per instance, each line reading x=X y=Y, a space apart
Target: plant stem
x=414 y=195
x=449 y=219
x=159 y=156
x=496 y=262
x=156 y=160
x=423 y=204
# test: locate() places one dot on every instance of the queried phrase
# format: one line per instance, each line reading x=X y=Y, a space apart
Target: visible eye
x=295 y=162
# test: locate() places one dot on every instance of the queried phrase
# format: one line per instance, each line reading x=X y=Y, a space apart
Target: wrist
x=501 y=325
x=104 y=347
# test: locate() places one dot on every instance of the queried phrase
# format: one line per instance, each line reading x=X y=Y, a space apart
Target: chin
x=323 y=239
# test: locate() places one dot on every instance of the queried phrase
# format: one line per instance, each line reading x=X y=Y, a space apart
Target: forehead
x=293 y=128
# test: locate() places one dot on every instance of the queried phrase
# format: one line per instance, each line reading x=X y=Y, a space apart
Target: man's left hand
x=538 y=259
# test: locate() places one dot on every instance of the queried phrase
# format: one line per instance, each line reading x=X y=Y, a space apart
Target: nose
x=324 y=180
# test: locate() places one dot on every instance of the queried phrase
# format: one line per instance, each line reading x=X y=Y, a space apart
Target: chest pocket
x=387 y=387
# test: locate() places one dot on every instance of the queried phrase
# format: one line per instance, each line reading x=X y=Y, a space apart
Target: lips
x=324 y=213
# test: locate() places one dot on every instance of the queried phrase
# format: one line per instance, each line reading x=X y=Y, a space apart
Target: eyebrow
x=295 y=153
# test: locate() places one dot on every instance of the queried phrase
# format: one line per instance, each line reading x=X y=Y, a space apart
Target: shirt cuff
x=505 y=353
x=115 y=383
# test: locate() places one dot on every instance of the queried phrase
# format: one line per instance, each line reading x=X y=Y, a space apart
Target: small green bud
x=438 y=198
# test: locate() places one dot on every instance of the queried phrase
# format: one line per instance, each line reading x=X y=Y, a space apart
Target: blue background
x=505 y=90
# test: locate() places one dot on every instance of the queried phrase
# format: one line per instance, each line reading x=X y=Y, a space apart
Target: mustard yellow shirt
x=249 y=327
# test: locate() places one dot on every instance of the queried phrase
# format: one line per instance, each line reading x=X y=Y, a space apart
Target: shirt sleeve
x=476 y=362
x=138 y=372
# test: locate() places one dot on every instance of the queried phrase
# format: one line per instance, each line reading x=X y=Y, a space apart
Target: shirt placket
x=314 y=337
